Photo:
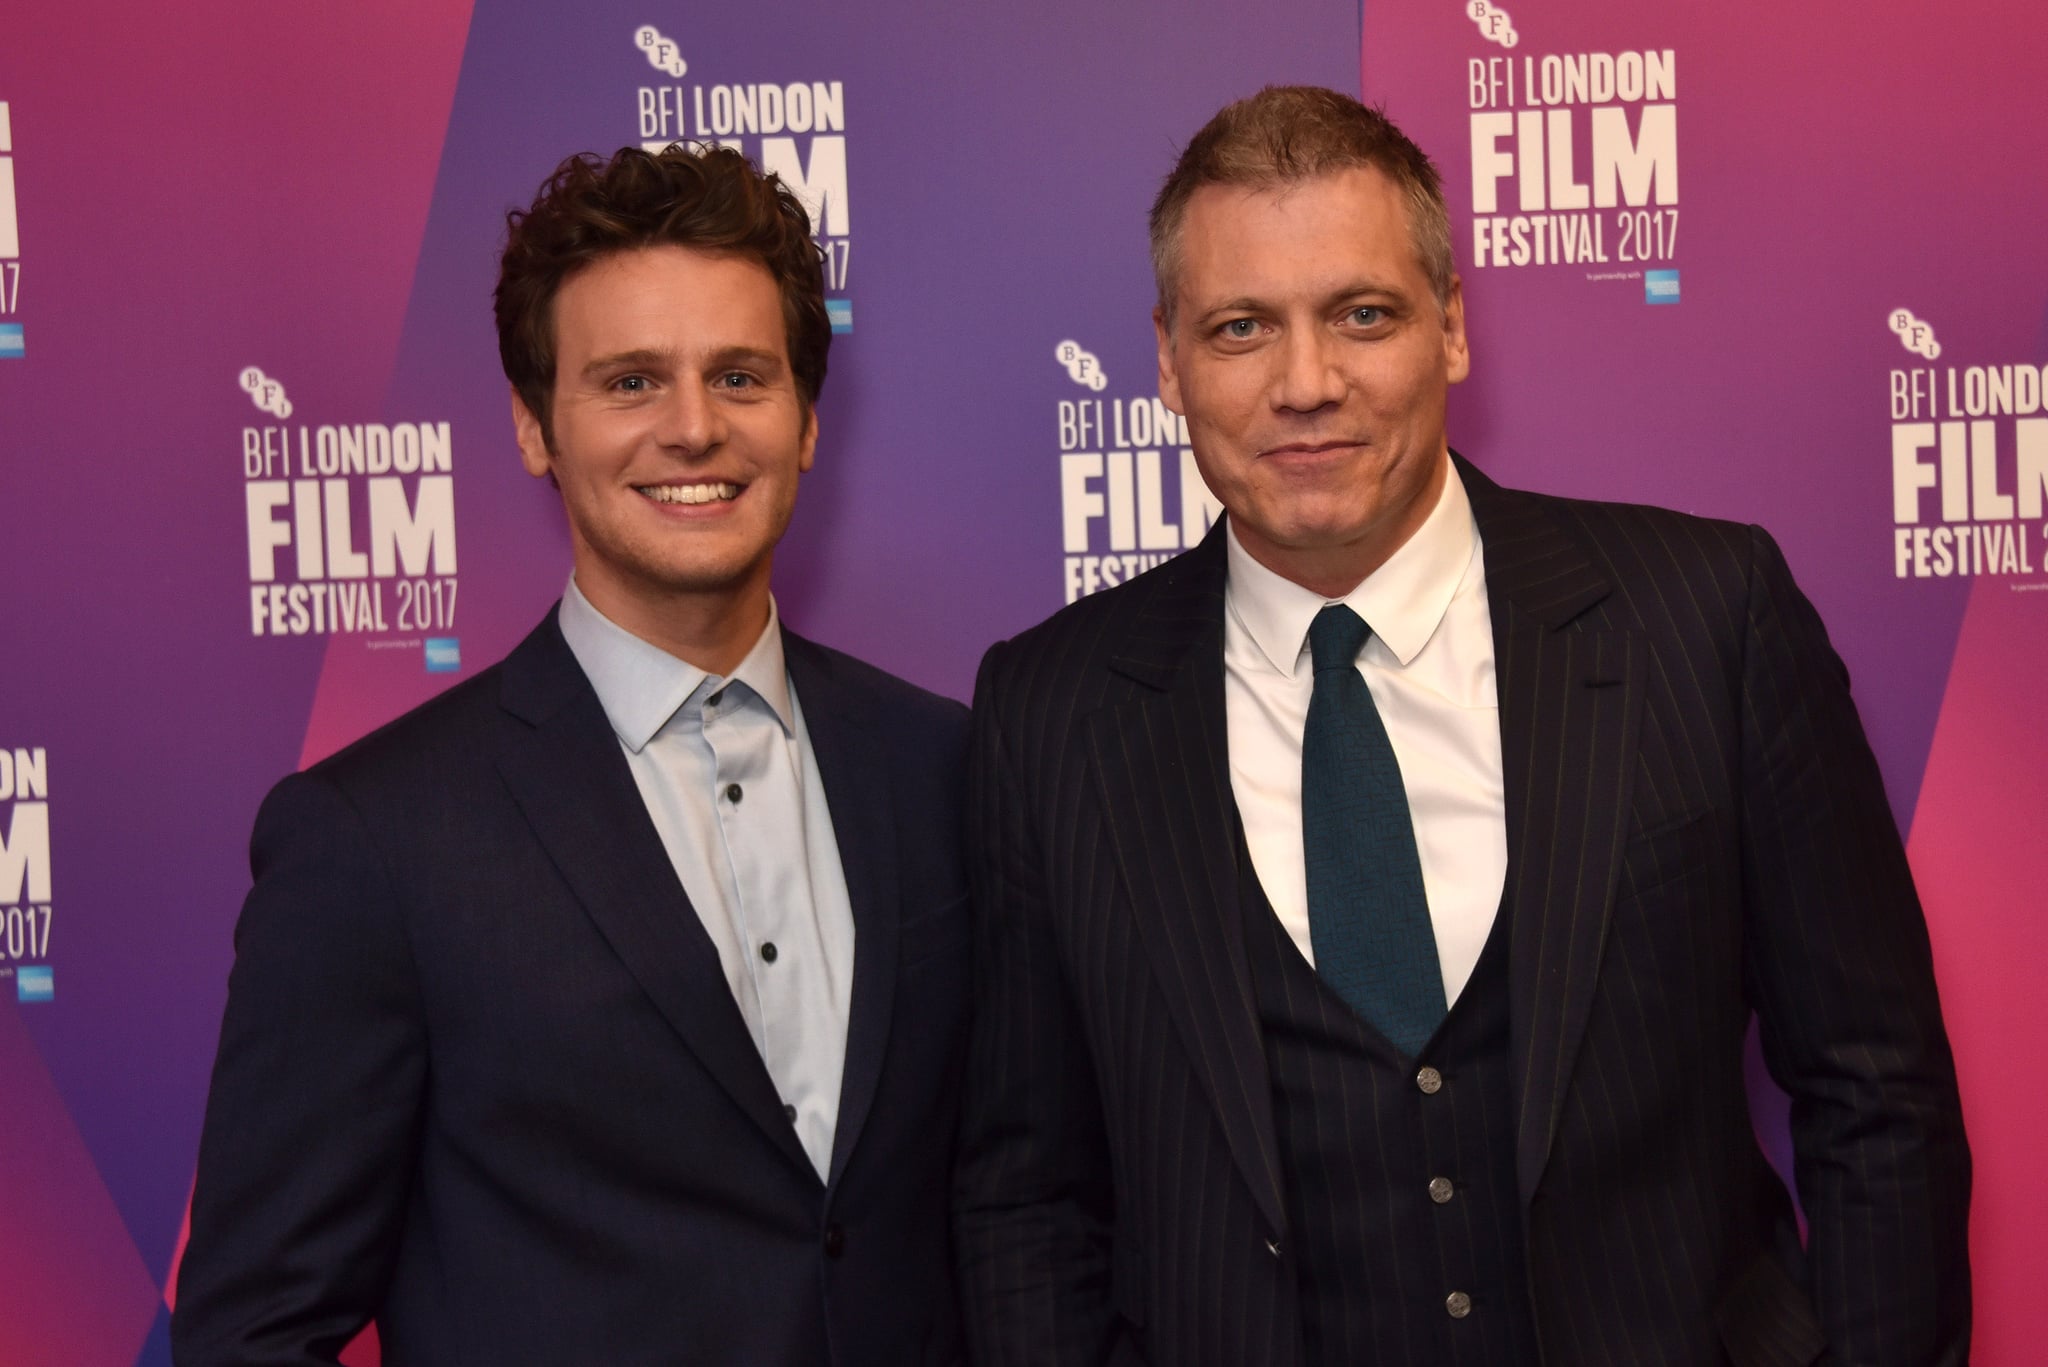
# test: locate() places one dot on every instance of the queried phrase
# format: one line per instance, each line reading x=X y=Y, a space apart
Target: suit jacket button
x=1430 y=1081
x=1440 y=1189
x=1458 y=1304
x=835 y=1241
x=1273 y=1247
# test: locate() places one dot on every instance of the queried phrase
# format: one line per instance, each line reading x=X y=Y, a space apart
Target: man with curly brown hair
x=609 y=1008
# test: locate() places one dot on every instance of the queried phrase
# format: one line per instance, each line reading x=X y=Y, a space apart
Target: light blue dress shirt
x=726 y=770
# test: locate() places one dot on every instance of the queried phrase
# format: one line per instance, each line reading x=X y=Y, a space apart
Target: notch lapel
x=854 y=768
x=1161 y=758
x=1571 y=705
x=572 y=784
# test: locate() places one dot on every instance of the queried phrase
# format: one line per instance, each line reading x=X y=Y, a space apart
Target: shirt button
x=733 y=793
x=1430 y=1081
x=1458 y=1304
x=715 y=699
x=1440 y=1189
x=835 y=1241
x=789 y=1113
x=768 y=951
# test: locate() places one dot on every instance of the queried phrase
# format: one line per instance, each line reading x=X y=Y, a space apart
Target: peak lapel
x=1571 y=704
x=854 y=768
x=1162 y=761
x=574 y=787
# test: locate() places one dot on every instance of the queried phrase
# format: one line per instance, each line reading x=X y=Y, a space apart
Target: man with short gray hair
x=1372 y=902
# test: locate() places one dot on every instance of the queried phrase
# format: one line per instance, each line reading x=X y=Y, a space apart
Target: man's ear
x=533 y=442
x=807 y=445
x=1457 y=353
x=1169 y=377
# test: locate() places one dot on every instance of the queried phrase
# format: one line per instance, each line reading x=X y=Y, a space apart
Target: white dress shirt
x=1429 y=664
x=725 y=768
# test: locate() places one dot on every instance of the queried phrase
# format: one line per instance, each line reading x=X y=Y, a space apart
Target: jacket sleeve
x=311 y=1123
x=1838 y=966
x=1032 y=1207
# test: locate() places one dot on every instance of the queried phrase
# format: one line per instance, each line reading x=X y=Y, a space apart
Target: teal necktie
x=1368 y=915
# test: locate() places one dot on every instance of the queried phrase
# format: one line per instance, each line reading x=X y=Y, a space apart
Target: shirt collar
x=1404 y=599
x=641 y=686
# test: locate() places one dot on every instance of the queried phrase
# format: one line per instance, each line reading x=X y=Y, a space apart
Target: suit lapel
x=854 y=768
x=1161 y=758
x=573 y=785
x=1571 y=704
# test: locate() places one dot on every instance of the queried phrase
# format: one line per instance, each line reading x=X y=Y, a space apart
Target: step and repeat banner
x=261 y=494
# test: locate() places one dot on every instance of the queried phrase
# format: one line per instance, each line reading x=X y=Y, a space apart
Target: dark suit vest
x=1400 y=1174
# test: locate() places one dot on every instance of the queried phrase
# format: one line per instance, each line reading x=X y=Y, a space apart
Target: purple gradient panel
x=1831 y=171
x=200 y=189
x=72 y=1287
x=1000 y=165
x=1981 y=863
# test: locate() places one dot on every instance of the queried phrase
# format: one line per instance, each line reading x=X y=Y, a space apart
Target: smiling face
x=1311 y=360
x=679 y=433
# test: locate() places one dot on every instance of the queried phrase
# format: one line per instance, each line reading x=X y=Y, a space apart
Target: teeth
x=691 y=493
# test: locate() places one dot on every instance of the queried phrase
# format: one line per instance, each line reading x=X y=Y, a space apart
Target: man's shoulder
x=1091 y=629
x=456 y=730
x=1631 y=542
x=854 y=685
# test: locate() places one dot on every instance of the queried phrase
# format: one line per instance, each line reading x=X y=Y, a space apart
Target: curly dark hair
x=707 y=197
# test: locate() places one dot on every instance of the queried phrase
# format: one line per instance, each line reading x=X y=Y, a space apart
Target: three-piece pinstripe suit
x=1696 y=827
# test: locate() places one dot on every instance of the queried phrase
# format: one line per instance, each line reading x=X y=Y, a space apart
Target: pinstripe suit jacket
x=1696 y=827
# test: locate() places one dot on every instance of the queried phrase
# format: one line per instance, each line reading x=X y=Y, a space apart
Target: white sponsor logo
x=1083 y=367
x=1914 y=335
x=662 y=53
x=1494 y=24
x=266 y=393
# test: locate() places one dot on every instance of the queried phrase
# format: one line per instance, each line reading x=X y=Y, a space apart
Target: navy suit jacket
x=482 y=1078
x=1695 y=827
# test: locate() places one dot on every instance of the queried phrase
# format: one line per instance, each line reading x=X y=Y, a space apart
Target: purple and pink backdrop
x=261 y=495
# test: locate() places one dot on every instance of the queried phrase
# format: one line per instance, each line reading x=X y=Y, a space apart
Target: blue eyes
x=1245 y=329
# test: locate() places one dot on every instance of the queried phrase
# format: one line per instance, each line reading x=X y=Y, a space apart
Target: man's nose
x=690 y=419
x=1310 y=374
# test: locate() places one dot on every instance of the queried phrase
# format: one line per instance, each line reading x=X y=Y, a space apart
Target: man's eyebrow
x=618 y=359
x=1246 y=303
x=759 y=357
x=651 y=359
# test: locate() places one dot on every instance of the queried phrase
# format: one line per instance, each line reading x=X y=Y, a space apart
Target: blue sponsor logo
x=33 y=983
x=12 y=343
x=444 y=654
x=840 y=311
x=1660 y=287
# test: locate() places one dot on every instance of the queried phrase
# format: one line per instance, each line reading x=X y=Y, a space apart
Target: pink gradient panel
x=1981 y=859
x=73 y=1288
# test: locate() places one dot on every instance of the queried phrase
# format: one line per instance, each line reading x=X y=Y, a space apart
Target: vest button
x=835 y=1241
x=1440 y=1189
x=1458 y=1304
x=1430 y=1081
